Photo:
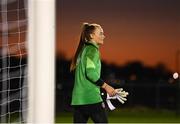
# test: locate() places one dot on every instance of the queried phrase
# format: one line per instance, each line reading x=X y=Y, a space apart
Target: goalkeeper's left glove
x=120 y=96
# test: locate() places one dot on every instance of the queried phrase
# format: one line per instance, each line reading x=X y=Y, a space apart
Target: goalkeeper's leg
x=98 y=113
x=80 y=114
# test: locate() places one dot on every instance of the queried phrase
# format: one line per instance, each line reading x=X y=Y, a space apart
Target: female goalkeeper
x=86 y=98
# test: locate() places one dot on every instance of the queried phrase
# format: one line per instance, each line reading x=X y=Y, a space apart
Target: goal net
x=13 y=55
x=26 y=48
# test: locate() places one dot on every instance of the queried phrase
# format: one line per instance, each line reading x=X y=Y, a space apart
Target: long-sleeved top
x=87 y=76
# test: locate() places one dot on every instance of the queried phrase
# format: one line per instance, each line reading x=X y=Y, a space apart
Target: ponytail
x=80 y=46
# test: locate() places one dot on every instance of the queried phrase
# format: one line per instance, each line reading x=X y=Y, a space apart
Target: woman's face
x=98 y=36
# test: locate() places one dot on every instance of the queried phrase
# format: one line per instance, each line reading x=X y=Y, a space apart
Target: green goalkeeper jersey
x=87 y=76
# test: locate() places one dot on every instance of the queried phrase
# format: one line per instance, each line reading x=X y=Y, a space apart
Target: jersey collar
x=93 y=43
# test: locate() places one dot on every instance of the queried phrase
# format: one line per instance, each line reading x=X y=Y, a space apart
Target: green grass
x=131 y=115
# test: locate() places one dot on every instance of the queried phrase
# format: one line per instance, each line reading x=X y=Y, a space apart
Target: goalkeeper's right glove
x=120 y=96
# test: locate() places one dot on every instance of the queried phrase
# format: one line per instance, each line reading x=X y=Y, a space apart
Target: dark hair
x=87 y=29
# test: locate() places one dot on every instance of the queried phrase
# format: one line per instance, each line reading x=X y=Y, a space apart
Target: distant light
x=175 y=75
x=133 y=77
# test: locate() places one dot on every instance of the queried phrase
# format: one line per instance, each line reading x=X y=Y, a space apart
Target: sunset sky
x=144 y=30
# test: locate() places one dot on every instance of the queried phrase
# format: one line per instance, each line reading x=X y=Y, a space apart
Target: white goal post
x=41 y=61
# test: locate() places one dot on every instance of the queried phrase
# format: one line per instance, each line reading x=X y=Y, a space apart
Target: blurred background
x=141 y=53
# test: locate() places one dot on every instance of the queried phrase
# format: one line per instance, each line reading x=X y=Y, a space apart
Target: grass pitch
x=131 y=115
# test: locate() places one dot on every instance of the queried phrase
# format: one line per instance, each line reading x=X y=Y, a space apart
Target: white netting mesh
x=13 y=59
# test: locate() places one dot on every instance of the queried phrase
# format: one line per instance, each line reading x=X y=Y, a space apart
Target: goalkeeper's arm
x=110 y=90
